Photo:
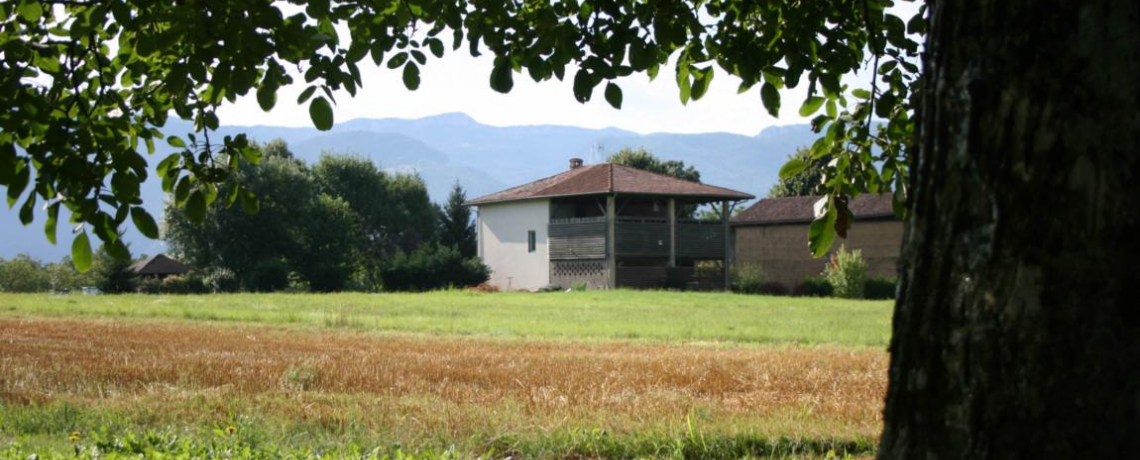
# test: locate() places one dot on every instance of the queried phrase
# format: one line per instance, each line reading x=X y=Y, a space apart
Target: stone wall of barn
x=782 y=249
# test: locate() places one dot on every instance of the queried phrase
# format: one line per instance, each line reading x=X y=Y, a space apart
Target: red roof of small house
x=607 y=178
x=159 y=264
x=801 y=209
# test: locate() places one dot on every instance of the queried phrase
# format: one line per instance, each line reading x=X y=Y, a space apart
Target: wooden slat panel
x=700 y=240
x=643 y=239
x=577 y=240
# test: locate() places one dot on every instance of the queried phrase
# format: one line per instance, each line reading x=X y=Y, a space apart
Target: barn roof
x=801 y=209
x=159 y=264
x=606 y=178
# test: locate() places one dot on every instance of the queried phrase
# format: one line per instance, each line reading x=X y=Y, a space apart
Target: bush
x=846 y=272
x=579 y=286
x=879 y=288
x=813 y=287
x=195 y=282
x=149 y=286
x=221 y=279
x=430 y=267
x=747 y=278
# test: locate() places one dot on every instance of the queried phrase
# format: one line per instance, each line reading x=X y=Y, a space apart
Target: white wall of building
x=503 y=244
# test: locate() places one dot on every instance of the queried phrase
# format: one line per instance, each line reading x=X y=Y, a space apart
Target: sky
x=461 y=83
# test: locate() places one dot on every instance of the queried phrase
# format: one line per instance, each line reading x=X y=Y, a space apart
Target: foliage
x=220 y=279
x=321 y=227
x=113 y=274
x=642 y=159
x=747 y=278
x=813 y=287
x=24 y=274
x=86 y=85
x=847 y=273
x=879 y=288
x=327 y=256
x=806 y=182
x=456 y=227
x=432 y=267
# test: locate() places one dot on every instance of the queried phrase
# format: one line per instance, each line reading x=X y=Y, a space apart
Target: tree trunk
x=1017 y=328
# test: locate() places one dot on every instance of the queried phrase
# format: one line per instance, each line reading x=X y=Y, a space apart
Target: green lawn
x=590 y=316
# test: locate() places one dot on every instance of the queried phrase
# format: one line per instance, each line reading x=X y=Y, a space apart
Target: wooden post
x=672 y=232
x=611 y=240
x=725 y=216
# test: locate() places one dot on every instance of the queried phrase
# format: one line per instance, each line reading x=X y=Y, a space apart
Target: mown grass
x=587 y=316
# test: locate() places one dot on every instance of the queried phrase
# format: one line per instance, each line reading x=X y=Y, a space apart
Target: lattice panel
x=578 y=269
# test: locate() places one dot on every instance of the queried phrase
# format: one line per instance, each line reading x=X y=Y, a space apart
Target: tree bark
x=1017 y=329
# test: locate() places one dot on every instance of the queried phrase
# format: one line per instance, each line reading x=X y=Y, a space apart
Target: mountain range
x=453 y=147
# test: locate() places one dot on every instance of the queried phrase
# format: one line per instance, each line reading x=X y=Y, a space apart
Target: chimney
x=575 y=163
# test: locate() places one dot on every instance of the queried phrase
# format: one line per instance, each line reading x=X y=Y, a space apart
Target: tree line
x=340 y=224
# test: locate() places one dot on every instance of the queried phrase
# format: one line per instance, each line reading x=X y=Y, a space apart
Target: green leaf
x=117 y=250
x=770 y=96
x=861 y=93
x=821 y=234
x=182 y=191
x=436 y=47
x=321 y=113
x=613 y=95
x=249 y=202
x=30 y=10
x=266 y=97
x=684 y=85
x=583 y=86
x=702 y=78
x=176 y=142
x=412 y=76
x=196 y=206
x=502 y=79
x=144 y=222
x=81 y=252
x=52 y=218
x=811 y=105
x=306 y=94
x=791 y=168
x=17 y=183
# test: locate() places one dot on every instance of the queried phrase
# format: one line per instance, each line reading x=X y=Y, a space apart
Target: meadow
x=441 y=375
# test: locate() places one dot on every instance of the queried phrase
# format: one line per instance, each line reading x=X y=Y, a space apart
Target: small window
x=530 y=243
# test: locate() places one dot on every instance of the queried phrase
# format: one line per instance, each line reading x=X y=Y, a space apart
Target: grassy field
x=441 y=375
x=580 y=316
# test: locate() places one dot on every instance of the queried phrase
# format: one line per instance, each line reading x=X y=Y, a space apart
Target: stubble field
x=340 y=387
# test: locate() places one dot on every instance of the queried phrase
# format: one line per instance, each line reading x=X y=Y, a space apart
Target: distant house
x=158 y=266
x=605 y=225
x=773 y=232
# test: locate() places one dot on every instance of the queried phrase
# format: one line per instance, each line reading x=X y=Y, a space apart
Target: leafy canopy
x=808 y=181
x=645 y=160
x=86 y=85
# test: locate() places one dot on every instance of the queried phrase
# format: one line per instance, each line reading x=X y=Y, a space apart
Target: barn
x=605 y=225
x=773 y=233
x=158 y=266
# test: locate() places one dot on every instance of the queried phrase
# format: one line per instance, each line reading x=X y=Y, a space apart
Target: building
x=605 y=225
x=773 y=232
x=158 y=266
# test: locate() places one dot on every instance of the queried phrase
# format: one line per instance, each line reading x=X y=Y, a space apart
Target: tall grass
x=590 y=316
x=532 y=399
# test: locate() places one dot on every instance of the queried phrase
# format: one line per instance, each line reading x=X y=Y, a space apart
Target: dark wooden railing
x=585 y=238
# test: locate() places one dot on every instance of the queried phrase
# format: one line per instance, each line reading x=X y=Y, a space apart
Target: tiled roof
x=159 y=264
x=798 y=209
x=605 y=178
